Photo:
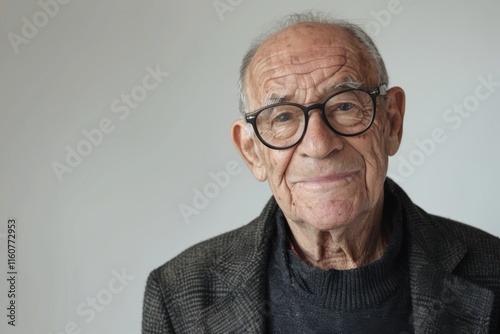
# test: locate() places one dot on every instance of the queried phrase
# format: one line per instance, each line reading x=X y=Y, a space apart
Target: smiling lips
x=326 y=179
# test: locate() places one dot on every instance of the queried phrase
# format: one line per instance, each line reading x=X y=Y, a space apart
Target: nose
x=319 y=140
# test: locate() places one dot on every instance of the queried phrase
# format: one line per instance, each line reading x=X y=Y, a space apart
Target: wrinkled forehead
x=308 y=56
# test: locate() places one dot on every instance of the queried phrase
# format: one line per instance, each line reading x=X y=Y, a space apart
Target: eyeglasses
x=348 y=113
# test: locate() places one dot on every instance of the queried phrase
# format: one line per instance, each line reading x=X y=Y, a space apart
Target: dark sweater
x=374 y=298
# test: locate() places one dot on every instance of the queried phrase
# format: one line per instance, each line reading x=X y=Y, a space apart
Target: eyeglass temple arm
x=382 y=89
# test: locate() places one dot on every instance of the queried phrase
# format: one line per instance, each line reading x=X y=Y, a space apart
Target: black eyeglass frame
x=373 y=92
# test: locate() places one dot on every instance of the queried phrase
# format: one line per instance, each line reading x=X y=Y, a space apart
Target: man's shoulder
x=429 y=224
x=466 y=233
x=481 y=250
x=482 y=246
x=205 y=254
x=439 y=236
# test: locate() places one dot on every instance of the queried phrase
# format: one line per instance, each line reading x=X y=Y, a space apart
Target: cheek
x=379 y=157
x=277 y=163
x=380 y=136
x=371 y=146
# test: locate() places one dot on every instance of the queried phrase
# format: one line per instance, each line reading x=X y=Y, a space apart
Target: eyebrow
x=348 y=83
x=276 y=98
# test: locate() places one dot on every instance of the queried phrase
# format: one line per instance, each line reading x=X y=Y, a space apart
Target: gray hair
x=309 y=17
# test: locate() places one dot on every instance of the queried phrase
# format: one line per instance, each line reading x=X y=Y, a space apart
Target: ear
x=395 y=115
x=245 y=142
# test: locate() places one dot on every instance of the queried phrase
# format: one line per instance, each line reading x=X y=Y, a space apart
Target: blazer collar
x=242 y=268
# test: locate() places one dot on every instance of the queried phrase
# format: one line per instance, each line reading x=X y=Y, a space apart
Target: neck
x=352 y=246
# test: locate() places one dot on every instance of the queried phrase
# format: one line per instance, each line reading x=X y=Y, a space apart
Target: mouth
x=327 y=179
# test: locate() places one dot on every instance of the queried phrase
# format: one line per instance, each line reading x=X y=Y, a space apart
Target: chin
x=328 y=215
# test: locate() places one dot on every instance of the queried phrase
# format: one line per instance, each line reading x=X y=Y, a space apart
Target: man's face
x=326 y=181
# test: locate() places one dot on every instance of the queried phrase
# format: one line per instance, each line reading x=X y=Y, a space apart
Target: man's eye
x=284 y=117
x=345 y=106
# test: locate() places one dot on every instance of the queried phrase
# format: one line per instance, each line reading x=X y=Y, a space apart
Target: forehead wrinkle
x=284 y=64
x=285 y=58
x=308 y=92
x=337 y=47
x=321 y=80
x=289 y=74
x=311 y=67
x=276 y=59
x=311 y=95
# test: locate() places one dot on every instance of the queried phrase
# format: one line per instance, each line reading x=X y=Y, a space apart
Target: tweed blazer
x=219 y=285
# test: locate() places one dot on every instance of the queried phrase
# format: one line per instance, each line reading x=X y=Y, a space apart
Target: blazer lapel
x=443 y=302
x=242 y=269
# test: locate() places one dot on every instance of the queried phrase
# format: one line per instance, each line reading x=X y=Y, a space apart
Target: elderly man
x=339 y=248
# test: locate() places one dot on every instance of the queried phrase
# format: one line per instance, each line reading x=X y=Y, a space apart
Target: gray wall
x=116 y=210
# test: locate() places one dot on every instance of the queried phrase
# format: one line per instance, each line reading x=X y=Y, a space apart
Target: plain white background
x=118 y=210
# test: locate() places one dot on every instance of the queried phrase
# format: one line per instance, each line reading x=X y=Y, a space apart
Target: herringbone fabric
x=218 y=286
